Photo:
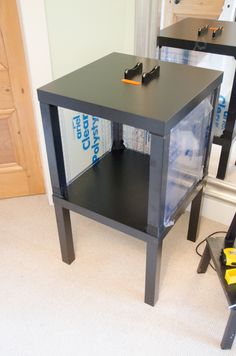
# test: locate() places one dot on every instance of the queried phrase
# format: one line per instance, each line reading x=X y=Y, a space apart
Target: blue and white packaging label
x=136 y=139
x=85 y=138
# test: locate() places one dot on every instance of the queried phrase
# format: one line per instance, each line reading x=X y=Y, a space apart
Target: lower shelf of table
x=116 y=187
x=216 y=244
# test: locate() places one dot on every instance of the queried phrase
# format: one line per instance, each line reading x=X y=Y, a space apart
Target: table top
x=97 y=89
x=184 y=34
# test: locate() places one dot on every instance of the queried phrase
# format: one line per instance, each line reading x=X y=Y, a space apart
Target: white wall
x=79 y=33
x=82 y=31
x=61 y=37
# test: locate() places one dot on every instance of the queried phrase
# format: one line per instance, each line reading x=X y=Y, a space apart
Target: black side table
x=184 y=35
x=214 y=246
x=212 y=252
x=126 y=189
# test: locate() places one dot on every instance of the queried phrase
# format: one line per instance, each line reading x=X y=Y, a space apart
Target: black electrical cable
x=201 y=242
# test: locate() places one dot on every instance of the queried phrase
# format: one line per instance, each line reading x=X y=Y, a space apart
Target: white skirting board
x=219 y=201
x=218 y=210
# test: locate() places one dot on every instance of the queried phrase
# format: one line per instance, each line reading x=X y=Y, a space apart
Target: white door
x=175 y=10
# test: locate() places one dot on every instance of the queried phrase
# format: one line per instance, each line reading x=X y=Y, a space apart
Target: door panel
x=6 y=99
x=20 y=167
x=7 y=153
x=3 y=59
x=195 y=8
x=12 y=138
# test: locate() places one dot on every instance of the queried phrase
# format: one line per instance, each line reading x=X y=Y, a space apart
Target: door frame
x=33 y=21
x=147 y=25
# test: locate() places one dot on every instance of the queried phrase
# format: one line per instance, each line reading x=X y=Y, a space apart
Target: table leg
x=194 y=217
x=156 y=202
x=227 y=136
x=224 y=158
x=153 y=268
x=159 y=53
x=230 y=332
x=205 y=260
x=65 y=234
x=117 y=137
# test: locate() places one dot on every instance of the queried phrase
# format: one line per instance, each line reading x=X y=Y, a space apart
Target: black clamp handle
x=154 y=73
x=132 y=72
x=203 y=30
x=217 y=32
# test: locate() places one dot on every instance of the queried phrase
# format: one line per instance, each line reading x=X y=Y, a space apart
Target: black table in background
x=213 y=249
x=184 y=35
